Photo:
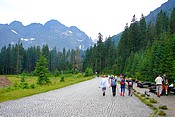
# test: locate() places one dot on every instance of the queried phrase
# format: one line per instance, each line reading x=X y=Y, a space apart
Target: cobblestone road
x=80 y=100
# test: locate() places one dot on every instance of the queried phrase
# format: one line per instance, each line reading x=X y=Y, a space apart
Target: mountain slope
x=166 y=7
x=52 y=33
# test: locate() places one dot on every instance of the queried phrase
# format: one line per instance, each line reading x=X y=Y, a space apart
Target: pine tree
x=172 y=22
x=53 y=60
x=109 y=55
x=162 y=24
x=3 y=60
x=78 y=60
x=45 y=51
x=64 y=59
x=8 y=59
x=150 y=34
x=146 y=68
x=18 y=60
x=143 y=34
x=42 y=71
x=134 y=40
x=72 y=60
x=99 y=52
x=123 y=50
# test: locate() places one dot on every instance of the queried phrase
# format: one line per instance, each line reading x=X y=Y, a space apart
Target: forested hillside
x=144 y=51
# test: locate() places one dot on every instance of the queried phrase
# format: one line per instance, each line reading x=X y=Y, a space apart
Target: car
x=143 y=84
x=171 y=89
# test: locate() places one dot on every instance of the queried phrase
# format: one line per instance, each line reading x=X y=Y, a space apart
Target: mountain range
x=52 y=33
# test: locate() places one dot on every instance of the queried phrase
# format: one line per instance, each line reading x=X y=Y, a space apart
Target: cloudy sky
x=91 y=16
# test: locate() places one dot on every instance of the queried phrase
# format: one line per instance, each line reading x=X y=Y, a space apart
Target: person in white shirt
x=104 y=84
x=158 y=81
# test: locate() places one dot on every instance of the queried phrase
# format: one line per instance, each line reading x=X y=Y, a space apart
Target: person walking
x=104 y=84
x=158 y=81
x=166 y=87
x=122 y=86
x=113 y=85
x=130 y=87
x=163 y=83
x=121 y=76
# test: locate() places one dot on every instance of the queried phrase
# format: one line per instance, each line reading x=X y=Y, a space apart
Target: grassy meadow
x=23 y=85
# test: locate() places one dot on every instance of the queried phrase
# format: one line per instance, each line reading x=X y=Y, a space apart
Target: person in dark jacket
x=113 y=85
x=163 y=83
x=130 y=87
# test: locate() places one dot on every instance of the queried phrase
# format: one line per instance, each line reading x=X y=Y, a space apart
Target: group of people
x=161 y=85
x=111 y=81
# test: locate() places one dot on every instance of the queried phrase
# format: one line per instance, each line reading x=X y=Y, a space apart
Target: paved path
x=80 y=100
x=169 y=101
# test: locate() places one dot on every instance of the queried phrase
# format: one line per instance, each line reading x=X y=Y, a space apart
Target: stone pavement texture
x=80 y=100
x=169 y=101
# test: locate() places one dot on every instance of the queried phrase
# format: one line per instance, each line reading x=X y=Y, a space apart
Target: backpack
x=130 y=83
x=122 y=82
x=113 y=82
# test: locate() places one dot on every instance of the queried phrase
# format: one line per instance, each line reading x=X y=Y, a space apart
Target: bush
x=79 y=75
x=24 y=85
x=62 y=79
x=147 y=98
x=76 y=71
x=88 y=72
x=142 y=95
x=22 y=79
x=149 y=104
x=161 y=113
x=23 y=74
x=164 y=107
x=152 y=100
x=32 y=86
x=57 y=73
x=16 y=85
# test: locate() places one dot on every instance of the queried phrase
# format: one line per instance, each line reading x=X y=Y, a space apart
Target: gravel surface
x=80 y=100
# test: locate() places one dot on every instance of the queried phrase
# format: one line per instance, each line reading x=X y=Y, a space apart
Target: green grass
x=148 y=103
x=12 y=92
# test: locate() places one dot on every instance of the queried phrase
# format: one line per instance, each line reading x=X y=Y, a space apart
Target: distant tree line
x=143 y=52
x=14 y=59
